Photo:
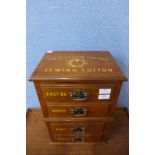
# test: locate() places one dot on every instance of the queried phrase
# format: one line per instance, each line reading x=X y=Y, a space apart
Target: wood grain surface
x=64 y=111
x=78 y=87
x=63 y=128
x=78 y=65
x=38 y=140
x=61 y=92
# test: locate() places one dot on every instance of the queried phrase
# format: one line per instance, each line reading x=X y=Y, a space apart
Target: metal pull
x=79 y=95
x=78 y=129
x=78 y=139
x=79 y=111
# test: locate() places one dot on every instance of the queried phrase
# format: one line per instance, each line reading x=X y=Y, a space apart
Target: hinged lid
x=78 y=65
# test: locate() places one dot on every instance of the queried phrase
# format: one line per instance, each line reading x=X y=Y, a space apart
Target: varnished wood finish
x=75 y=65
x=38 y=140
x=60 y=74
x=67 y=128
x=99 y=120
x=61 y=92
x=67 y=138
x=118 y=89
x=61 y=110
x=40 y=97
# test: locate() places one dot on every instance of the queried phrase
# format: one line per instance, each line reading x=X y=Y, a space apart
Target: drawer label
x=62 y=139
x=105 y=91
x=60 y=129
x=54 y=94
x=58 y=110
x=104 y=97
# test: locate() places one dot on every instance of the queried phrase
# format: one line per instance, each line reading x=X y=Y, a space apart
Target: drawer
x=78 y=93
x=76 y=128
x=78 y=110
x=71 y=138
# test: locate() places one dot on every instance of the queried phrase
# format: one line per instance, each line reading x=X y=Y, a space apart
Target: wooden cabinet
x=78 y=110
x=72 y=92
x=72 y=138
x=77 y=128
x=78 y=92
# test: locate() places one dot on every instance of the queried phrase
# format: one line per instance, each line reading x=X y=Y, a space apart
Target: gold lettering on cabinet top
x=58 y=110
x=79 y=64
x=74 y=70
x=79 y=57
x=78 y=61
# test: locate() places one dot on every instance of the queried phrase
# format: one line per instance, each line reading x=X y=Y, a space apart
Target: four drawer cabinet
x=78 y=92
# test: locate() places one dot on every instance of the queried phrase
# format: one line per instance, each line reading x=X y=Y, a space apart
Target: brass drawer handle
x=79 y=111
x=79 y=95
x=78 y=139
x=78 y=129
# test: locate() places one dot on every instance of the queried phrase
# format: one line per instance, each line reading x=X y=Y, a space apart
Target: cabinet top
x=77 y=65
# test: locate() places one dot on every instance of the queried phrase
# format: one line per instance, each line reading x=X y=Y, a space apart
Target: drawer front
x=77 y=138
x=78 y=93
x=76 y=128
x=78 y=110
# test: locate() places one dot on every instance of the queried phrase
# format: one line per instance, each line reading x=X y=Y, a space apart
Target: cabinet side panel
x=115 y=99
x=41 y=100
